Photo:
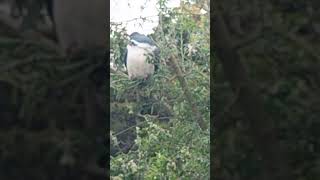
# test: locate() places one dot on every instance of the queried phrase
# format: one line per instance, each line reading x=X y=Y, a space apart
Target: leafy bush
x=154 y=129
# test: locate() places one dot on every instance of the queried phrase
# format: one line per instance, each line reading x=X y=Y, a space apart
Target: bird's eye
x=133 y=43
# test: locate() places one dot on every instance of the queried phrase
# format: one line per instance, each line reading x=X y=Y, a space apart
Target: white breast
x=137 y=64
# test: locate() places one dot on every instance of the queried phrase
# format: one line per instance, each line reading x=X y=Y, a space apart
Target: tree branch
x=173 y=63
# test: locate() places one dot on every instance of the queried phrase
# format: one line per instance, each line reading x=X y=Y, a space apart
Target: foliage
x=283 y=62
x=154 y=133
x=178 y=151
x=43 y=131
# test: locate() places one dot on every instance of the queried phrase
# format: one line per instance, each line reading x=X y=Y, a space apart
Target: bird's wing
x=156 y=53
x=148 y=41
x=125 y=57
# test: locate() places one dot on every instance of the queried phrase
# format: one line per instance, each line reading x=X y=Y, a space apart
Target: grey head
x=142 y=38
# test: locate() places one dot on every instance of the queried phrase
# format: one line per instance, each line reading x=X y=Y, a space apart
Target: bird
x=138 y=50
x=79 y=24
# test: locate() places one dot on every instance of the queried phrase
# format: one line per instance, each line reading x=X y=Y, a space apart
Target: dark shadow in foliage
x=53 y=110
x=278 y=61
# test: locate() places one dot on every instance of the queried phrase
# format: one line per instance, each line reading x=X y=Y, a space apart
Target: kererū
x=79 y=24
x=136 y=56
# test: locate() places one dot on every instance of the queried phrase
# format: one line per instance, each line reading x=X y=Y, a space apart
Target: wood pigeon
x=136 y=56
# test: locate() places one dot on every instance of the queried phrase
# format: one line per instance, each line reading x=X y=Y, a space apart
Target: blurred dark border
x=30 y=148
